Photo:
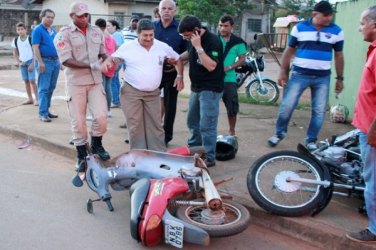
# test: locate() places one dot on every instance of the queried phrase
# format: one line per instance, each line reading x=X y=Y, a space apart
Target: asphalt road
x=40 y=209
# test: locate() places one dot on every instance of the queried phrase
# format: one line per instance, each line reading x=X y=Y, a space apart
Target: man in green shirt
x=234 y=52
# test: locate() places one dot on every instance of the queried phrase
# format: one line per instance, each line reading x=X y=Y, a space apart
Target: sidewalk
x=255 y=125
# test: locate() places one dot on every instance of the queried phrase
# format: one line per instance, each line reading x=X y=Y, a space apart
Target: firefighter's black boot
x=97 y=148
x=81 y=158
x=77 y=181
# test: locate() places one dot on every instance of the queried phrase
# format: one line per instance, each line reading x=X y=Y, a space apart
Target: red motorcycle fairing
x=150 y=226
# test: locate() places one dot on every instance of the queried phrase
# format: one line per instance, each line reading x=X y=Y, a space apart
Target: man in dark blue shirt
x=166 y=30
x=48 y=64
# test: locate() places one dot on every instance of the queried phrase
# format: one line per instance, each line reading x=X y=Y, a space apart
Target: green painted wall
x=355 y=49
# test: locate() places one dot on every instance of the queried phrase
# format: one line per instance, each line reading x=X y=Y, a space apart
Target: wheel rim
x=261 y=94
x=272 y=185
x=199 y=214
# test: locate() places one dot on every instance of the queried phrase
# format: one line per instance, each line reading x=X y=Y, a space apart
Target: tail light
x=154 y=231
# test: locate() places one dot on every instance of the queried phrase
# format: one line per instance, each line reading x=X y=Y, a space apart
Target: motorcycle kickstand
x=90 y=207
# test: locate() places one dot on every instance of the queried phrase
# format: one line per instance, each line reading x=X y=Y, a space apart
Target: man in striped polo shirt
x=312 y=42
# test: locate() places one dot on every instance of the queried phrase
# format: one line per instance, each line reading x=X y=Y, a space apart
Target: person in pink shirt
x=365 y=121
x=110 y=47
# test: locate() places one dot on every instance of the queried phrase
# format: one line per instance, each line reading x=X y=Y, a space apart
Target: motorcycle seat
x=138 y=191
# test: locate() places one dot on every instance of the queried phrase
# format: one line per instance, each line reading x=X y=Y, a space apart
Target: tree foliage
x=301 y=8
x=211 y=10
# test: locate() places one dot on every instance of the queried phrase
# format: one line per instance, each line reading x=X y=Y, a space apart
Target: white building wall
x=98 y=9
x=62 y=8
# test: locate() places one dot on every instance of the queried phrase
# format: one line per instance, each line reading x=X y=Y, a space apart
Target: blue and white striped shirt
x=315 y=47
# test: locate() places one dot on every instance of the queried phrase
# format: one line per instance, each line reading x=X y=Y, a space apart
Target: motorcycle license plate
x=174 y=233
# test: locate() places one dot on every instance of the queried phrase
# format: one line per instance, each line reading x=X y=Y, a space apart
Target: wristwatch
x=340 y=78
x=200 y=51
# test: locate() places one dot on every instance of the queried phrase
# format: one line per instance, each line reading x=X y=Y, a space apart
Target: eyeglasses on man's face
x=186 y=35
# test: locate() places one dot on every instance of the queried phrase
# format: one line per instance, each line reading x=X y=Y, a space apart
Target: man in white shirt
x=144 y=58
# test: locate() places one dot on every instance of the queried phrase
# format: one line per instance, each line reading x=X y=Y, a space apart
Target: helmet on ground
x=339 y=113
x=226 y=147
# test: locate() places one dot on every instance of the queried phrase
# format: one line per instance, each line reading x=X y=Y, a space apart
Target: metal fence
x=275 y=41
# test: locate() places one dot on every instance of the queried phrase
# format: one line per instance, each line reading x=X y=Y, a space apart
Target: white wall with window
x=252 y=24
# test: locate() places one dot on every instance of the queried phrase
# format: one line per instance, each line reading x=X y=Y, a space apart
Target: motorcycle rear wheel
x=268 y=185
x=237 y=219
x=269 y=94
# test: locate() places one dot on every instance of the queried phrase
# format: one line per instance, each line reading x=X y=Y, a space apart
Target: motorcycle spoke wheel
x=269 y=93
x=269 y=185
x=234 y=219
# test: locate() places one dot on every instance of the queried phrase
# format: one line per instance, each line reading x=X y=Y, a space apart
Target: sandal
x=27 y=102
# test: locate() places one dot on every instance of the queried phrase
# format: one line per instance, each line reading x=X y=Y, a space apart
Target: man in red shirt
x=365 y=121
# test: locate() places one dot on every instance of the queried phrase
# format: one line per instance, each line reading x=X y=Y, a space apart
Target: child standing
x=23 y=53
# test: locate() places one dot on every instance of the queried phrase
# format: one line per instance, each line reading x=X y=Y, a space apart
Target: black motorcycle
x=258 y=88
x=291 y=183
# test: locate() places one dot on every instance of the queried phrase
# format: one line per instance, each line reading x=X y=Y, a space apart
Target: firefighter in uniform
x=80 y=47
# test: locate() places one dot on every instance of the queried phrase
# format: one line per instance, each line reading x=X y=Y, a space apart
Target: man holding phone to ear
x=205 y=55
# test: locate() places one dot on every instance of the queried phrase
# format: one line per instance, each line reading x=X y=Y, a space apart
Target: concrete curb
x=66 y=151
x=299 y=228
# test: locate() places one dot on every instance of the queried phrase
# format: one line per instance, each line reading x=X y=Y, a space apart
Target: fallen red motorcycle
x=173 y=198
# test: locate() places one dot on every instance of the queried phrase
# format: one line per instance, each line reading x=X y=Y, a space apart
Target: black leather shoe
x=123 y=125
x=44 y=118
x=50 y=115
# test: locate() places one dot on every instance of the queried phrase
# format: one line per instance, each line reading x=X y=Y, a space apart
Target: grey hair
x=171 y=1
x=371 y=14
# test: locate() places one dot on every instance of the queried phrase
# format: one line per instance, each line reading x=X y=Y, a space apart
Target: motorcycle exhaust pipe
x=212 y=197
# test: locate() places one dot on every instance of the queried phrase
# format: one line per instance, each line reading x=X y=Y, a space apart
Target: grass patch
x=244 y=99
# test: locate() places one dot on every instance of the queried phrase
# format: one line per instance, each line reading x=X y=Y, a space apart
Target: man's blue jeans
x=319 y=86
x=202 y=120
x=115 y=87
x=106 y=82
x=369 y=173
x=46 y=84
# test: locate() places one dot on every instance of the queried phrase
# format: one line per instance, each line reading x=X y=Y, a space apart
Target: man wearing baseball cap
x=79 y=45
x=324 y=7
x=313 y=42
x=130 y=32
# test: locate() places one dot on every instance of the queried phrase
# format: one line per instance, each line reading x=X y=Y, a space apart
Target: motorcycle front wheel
x=233 y=219
x=268 y=93
x=268 y=183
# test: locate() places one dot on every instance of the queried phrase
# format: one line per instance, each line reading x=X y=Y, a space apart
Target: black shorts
x=230 y=98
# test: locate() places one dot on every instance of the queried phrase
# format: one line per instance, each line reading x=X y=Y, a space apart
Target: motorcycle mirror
x=255 y=36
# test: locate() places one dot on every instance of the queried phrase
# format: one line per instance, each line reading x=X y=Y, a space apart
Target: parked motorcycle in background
x=291 y=183
x=173 y=198
x=257 y=88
